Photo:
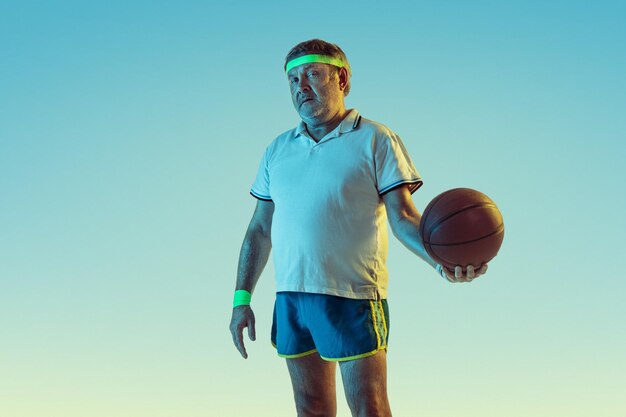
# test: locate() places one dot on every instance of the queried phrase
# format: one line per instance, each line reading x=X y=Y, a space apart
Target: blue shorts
x=338 y=328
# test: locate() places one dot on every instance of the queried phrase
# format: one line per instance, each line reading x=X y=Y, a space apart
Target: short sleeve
x=261 y=186
x=393 y=165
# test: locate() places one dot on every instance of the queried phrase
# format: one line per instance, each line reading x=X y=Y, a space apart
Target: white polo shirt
x=329 y=230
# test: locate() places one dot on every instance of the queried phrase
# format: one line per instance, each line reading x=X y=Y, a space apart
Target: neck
x=321 y=129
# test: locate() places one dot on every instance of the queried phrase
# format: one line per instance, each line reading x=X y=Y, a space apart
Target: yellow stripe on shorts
x=380 y=325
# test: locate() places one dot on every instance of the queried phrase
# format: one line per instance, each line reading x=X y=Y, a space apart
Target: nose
x=302 y=85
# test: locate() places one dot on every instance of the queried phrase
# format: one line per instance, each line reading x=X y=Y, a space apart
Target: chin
x=313 y=116
x=317 y=113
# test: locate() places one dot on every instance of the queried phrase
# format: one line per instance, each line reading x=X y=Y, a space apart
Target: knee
x=314 y=405
x=371 y=409
x=372 y=404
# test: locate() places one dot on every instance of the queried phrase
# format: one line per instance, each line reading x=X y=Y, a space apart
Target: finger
x=470 y=272
x=251 y=329
x=242 y=349
x=449 y=275
x=480 y=271
x=238 y=339
x=458 y=272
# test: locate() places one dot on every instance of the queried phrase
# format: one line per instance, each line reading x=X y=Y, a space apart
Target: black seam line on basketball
x=498 y=230
x=435 y=226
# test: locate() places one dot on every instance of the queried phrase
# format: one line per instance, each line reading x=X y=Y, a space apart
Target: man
x=324 y=192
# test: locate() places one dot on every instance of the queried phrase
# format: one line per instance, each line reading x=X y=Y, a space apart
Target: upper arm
x=399 y=205
x=393 y=165
x=262 y=218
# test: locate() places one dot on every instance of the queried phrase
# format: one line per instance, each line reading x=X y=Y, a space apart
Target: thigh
x=314 y=388
x=365 y=385
x=290 y=335
x=344 y=329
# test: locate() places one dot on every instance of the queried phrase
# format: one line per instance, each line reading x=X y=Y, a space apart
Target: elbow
x=396 y=228
x=405 y=228
x=259 y=234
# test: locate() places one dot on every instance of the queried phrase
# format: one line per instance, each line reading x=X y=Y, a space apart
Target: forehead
x=318 y=66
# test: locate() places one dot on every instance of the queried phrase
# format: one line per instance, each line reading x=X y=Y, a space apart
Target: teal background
x=130 y=133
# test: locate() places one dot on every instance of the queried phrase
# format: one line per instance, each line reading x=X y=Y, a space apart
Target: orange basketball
x=463 y=227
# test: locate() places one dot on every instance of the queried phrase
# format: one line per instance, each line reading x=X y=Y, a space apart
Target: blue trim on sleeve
x=415 y=184
x=260 y=197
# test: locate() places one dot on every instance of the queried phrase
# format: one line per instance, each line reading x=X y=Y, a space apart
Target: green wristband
x=242 y=298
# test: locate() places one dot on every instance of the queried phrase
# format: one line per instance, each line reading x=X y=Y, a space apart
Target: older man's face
x=315 y=92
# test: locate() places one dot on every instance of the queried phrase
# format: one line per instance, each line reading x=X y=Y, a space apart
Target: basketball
x=463 y=227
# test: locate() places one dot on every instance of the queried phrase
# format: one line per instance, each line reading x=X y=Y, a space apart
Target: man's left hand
x=458 y=275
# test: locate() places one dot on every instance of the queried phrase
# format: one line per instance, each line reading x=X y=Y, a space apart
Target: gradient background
x=130 y=133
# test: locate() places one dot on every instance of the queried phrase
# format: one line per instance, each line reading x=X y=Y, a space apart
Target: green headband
x=324 y=59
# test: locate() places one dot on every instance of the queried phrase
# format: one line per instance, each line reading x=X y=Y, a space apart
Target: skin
x=404 y=219
x=255 y=251
x=317 y=92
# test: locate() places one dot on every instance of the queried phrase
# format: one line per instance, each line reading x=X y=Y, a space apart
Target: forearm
x=407 y=231
x=253 y=257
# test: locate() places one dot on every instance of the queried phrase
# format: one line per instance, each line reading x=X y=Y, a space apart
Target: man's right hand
x=242 y=317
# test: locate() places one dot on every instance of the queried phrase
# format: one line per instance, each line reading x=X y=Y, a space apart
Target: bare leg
x=365 y=385
x=314 y=388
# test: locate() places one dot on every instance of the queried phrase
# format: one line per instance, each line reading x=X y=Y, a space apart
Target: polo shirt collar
x=348 y=124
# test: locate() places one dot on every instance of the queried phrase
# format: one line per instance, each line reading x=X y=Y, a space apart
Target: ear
x=343 y=78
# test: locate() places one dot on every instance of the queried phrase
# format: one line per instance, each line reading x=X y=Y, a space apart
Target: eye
x=312 y=74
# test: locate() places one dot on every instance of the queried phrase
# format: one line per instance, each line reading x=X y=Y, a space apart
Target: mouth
x=304 y=100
